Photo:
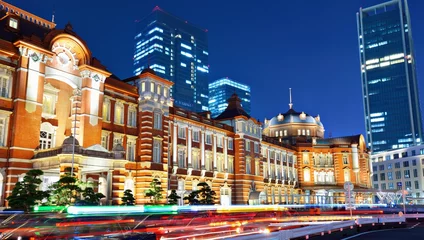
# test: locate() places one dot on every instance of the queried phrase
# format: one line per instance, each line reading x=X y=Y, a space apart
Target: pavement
x=414 y=230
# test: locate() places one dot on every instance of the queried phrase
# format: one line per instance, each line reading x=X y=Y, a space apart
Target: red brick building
x=127 y=132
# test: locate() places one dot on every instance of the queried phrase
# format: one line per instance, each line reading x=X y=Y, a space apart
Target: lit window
x=208 y=139
x=346 y=175
x=152 y=87
x=247 y=145
x=285 y=132
x=105 y=140
x=5 y=85
x=230 y=165
x=181 y=132
x=3 y=130
x=181 y=158
x=195 y=161
x=143 y=86
x=158 y=89
x=306 y=174
x=46 y=136
x=157 y=151
x=13 y=23
x=248 y=170
x=106 y=110
x=119 y=113
x=196 y=136
x=49 y=101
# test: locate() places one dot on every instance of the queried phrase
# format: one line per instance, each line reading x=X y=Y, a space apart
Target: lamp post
x=76 y=93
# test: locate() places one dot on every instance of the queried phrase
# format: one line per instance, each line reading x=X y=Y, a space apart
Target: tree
x=193 y=198
x=206 y=194
x=25 y=195
x=173 y=197
x=92 y=198
x=65 y=191
x=155 y=191
x=128 y=198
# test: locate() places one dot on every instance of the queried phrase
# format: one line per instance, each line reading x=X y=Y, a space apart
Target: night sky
x=310 y=46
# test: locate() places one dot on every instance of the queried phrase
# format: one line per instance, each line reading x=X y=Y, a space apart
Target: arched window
x=47 y=136
x=129 y=184
x=306 y=174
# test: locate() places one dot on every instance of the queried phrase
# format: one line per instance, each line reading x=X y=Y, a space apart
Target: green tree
x=65 y=191
x=155 y=191
x=25 y=195
x=193 y=198
x=173 y=197
x=92 y=198
x=206 y=194
x=128 y=198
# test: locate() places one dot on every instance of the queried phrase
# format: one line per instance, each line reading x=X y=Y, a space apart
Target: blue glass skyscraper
x=389 y=82
x=177 y=51
x=221 y=90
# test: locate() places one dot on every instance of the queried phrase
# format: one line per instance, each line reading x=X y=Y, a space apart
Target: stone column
x=355 y=161
x=214 y=152
x=225 y=154
x=109 y=187
x=268 y=162
x=282 y=167
x=174 y=145
x=276 y=166
x=189 y=130
x=202 y=149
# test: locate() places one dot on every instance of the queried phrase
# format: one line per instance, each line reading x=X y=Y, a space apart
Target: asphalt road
x=413 y=231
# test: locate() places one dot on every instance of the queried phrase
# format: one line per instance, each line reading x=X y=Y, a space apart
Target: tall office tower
x=389 y=82
x=221 y=90
x=177 y=51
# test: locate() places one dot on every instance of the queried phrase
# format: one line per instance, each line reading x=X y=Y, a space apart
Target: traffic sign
x=348 y=186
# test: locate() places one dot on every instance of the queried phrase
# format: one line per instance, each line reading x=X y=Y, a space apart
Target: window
x=157 y=121
x=345 y=159
x=406 y=164
x=381 y=167
x=143 y=86
x=285 y=132
x=408 y=184
x=152 y=87
x=256 y=146
x=117 y=139
x=405 y=154
x=195 y=161
x=247 y=145
x=208 y=163
x=398 y=175
x=389 y=166
x=417 y=185
x=406 y=173
x=257 y=167
x=415 y=172
x=230 y=143
x=181 y=185
x=399 y=185
x=276 y=133
x=106 y=110
x=49 y=101
x=119 y=113
x=396 y=156
x=347 y=175
x=13 y=23
x=181 y=158
x=208 y=139
x=130 y=150
x=374 y=168
x=158 y=90
x=305 y=158
x=157 y=147
x=230 y=165
x=5 y=86
x=375 y=177
x=298 y=132
x=308 y=132
x=196 y=135
x=181 y=132
x=132 y=116
x=306 y=174
x=382 y=177
x=413 y=153
x=219 y=141
x=414 y=162
x=105 y=140
x=383 y=186
x=375 y=186
x=397 y=165
x=248 y=168
x=46 y=136
x=391 y=186
x=390 y=176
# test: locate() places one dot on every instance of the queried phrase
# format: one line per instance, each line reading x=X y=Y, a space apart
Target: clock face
x=63 y=58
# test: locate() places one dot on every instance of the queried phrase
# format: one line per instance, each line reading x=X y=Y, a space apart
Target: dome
x=291 y=116
x=70 y=140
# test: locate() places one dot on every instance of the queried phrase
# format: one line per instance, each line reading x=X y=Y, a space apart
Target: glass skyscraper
x=389 y=82
x=221 y=90
x=177 y=51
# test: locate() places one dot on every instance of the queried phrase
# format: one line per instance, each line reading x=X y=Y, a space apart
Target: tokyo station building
x=127 y=132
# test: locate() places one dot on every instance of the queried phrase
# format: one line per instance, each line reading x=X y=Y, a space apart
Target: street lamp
x=76 y=93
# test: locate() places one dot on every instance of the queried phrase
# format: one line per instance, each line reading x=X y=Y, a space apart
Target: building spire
x=290 y=104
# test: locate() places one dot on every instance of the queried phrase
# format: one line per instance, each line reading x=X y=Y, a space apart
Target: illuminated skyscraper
x=389 y=82
x=221 y=90
x=177 y=51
